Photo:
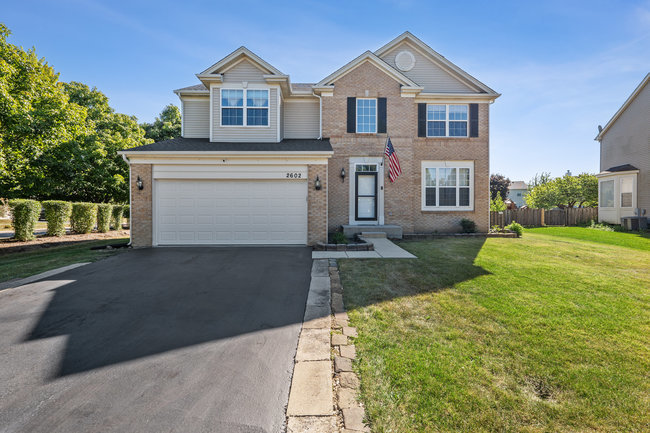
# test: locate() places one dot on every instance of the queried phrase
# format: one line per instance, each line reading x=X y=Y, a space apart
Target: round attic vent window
x=404 y=60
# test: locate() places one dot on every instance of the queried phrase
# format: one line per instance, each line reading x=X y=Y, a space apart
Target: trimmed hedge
x=24 y=216
x=57 y=214
x=83 y=218
x=104 y=213
x=116 y=216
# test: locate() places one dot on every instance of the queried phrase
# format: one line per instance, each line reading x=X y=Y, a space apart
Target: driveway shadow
x=150 y=301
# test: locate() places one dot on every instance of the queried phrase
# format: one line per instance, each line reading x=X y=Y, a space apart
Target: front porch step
x=388 y=230
x=373 y=235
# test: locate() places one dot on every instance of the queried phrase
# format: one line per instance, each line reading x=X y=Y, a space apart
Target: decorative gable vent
x=404 y=60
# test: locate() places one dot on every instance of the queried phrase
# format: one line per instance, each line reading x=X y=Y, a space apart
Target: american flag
x=394 y=169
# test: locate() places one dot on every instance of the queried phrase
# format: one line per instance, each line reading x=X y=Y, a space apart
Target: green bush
x=126 y=211
x=83 y=218
x=116 y=216
x=104 y=213
x=57 y=214
x=468 y=226
x=516 y=228
x=497 y=204
x=24 y=216
x=600 y=226
x=339 y=238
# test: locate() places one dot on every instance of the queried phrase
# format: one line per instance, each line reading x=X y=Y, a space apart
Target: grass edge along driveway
x=549 y=332
x=27 y=263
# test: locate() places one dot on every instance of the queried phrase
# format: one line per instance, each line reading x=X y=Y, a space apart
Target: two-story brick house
x=262 y=160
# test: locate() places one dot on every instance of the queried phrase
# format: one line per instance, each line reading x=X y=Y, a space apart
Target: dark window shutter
x=352 y=115
x=473 y=120
x=381 y=115
x=422 y=120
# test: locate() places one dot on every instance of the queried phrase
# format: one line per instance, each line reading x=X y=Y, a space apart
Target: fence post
x=541 y=219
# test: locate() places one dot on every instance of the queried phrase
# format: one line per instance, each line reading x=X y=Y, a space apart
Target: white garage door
x=230 y=212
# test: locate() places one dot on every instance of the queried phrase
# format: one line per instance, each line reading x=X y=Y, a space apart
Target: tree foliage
x=58 y=140
x=167 y=125
x=499 y=184
x=497 y=204
x=539 y=179
x=566 y=191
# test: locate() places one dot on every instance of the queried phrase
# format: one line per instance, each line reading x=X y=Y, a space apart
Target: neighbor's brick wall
x=141 y=225
x=402 y=202
x=317 y=205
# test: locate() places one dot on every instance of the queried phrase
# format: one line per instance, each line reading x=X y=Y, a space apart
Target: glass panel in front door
x=367 y=196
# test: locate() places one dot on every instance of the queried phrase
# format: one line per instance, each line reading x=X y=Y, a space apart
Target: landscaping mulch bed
x=11 y=245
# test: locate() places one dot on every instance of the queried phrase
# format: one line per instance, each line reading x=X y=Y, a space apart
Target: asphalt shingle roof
x=624 y=167
x=204 y=145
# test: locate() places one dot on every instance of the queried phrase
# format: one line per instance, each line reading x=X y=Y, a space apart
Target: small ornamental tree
x=499 y=185
x=116 y=216
x=497 y=204
x=104 y=214
x=84 y=216
x=24 y=216
x=57 y=214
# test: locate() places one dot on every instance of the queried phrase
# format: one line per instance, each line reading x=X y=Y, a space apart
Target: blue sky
x=563 y=67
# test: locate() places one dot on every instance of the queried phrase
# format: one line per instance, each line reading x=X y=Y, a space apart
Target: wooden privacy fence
x=541 y=217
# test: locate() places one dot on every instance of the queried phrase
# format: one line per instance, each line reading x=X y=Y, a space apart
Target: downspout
x=130 y=200
x=320 y=115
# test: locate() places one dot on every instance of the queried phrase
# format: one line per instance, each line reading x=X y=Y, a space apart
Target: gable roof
x=439 y=60
x=235 y=56
x=370 y=57
x=626 y=104
x=518 y=184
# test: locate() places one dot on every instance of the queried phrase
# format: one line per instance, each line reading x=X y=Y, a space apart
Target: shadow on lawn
x=149 y=301
x=441 y=263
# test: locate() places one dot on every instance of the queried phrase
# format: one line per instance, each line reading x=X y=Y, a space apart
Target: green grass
x=24 y=264
x=548 y=332
x=5 y=224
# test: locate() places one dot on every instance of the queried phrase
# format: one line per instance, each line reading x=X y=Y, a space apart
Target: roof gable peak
x=235 y=57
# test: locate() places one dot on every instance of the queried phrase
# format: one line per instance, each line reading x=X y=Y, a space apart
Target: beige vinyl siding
x=245 y=133
x=196 y=117
x=301 y=118
x=627 y=141
x=426 y=73
x=244 y=71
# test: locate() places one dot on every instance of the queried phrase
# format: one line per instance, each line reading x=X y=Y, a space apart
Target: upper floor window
x=447 y=120
x=366 y=115
x=244 y=107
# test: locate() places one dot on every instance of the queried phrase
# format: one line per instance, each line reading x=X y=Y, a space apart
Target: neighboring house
x=262 y=160
x=517 y=192
x=624 y=178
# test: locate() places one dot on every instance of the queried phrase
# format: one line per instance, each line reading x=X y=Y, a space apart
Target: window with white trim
x=366 y=115
x=244 y=107
x=447 y=185
x=606 y=193
x=627 y=186
x=446 y=120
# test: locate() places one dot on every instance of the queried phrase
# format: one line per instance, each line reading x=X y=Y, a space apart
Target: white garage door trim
x=230 y=211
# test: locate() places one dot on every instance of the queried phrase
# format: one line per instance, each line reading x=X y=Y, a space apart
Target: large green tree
x=566 y=191
x=499 y=184
x=167 y=125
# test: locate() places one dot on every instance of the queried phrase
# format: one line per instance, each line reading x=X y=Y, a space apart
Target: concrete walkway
x=384 y=249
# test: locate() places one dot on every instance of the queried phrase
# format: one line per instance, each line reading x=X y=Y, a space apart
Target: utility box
x=635 y=223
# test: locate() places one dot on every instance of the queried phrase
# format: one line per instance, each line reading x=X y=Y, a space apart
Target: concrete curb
x=12 y=284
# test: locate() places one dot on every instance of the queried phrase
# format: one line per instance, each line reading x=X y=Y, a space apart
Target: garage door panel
x=231 y=211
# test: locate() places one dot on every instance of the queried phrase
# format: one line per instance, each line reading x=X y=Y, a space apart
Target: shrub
x=339 y=238
x=468 y=226
x=83 y=218
x=116 y=216
x=126 y=211
x=104 y=213
x=57 y=214
x=497 y=204
x=516 y=228
x=24 y=216
x=599 y=226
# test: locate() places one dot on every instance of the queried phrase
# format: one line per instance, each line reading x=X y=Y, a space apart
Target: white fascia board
x=217 y=153
x=245 y=52
x=455 y=97
x=626 y=104
x=370 y=57
x=616 y=173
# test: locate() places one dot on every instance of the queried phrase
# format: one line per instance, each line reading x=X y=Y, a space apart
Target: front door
x=365 y=178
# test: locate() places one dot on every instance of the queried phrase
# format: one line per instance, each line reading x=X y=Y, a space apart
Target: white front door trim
x=353 y=162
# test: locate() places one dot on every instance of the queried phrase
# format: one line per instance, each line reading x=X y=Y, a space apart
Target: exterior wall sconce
x=343 y=174
x=139 y=183
x=317 y=184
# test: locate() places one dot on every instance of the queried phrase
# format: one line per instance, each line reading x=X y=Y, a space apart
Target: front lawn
x=549 y=332
x=26 y=263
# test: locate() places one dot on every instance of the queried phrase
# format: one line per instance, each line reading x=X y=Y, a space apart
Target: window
x=241 y=107
x=447 y=120
x=447 y=185
x=606 y=193
x=366 y=115
x=626 y=191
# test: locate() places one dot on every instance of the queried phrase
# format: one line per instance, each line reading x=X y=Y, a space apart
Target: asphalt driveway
x=155 y=340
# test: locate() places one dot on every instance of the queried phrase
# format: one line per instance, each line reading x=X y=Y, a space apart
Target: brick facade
x=317 y=205
x=402 y=200
x=141 y=215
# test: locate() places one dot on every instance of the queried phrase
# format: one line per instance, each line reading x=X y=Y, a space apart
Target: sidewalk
x=384 y=249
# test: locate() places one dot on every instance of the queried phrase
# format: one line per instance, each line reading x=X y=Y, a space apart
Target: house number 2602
x=294 y=175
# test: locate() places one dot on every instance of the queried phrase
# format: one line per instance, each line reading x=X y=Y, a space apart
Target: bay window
x=447 y=185
x=244 y=107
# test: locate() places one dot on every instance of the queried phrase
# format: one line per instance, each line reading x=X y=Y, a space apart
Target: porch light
x=139 y=183
x=317 y=184
x=343 y=174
